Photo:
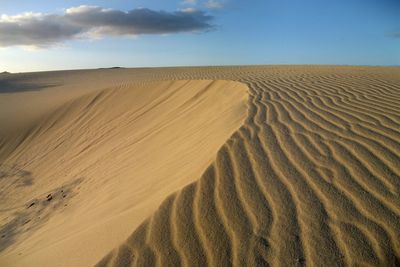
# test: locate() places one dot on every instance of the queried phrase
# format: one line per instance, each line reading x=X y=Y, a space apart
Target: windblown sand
x=217 y=166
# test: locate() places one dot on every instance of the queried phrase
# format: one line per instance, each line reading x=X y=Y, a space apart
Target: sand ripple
x=311 y=178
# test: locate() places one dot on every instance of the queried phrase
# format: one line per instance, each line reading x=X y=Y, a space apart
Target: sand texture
x=280 y=166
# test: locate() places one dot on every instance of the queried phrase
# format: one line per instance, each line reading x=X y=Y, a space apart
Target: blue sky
x=229 y=32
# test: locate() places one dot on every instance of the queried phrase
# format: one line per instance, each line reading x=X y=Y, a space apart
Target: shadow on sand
x=16 y=84
x=35 y=213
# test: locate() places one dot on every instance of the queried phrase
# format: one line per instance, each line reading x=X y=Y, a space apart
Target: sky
x=72 y=34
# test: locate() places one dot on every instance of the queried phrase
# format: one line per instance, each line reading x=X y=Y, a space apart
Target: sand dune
x=108 y=158
x=311 y=177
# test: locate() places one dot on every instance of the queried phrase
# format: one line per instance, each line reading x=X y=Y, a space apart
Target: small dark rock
x=3 y=236
x=64 y=196
x=30 y=205
x=49 y=197
x=264 y=242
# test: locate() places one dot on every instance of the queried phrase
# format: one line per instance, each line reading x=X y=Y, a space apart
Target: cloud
x=42 y=30
x=189 y=10
x=394 y=34
x=189 y=2
x=213 y=4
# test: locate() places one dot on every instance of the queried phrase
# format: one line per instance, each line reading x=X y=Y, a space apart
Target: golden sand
x=218 y=166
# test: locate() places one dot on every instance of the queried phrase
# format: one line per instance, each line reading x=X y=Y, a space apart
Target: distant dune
x=217 y=166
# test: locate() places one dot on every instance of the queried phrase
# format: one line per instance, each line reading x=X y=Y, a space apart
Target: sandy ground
x=218 y=166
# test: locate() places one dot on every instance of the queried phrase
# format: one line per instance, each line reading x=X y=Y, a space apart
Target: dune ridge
x=311 y=178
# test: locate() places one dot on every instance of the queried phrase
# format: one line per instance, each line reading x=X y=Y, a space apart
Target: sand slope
x=82 y=175
x=311 y=177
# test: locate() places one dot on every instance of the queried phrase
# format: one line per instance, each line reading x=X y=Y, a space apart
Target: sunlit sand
x=218 y=166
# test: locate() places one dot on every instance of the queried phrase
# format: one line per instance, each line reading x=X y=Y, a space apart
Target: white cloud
x=189 y=10
x=213 y=4
x=82 y=9
x=189 y=2
x=19 y=17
